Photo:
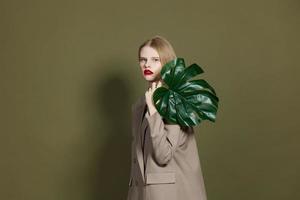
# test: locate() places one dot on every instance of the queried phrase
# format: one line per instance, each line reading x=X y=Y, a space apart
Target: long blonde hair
x=162 y=46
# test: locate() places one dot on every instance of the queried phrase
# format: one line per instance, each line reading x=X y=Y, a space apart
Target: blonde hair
x=162 y=46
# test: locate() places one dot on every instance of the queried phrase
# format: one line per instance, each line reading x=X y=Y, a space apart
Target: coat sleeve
x=165 y=138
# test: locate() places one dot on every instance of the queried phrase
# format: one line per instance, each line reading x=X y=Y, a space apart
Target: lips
x=147 y=72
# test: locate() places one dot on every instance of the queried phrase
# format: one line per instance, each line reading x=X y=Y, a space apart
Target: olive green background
x=69 y=75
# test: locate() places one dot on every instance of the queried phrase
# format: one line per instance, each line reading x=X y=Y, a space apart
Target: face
x=150 y=64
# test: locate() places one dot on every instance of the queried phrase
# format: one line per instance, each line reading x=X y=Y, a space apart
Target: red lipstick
x=147 y=72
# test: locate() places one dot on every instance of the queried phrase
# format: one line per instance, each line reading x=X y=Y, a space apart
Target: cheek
x=141 y=67
x=158 y=70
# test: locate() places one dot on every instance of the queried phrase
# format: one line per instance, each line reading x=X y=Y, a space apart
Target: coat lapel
x=140 y=111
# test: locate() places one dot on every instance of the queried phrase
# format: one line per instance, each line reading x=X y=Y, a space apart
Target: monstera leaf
x=181 y=100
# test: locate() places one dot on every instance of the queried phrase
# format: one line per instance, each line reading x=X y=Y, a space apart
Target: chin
x=149 y=78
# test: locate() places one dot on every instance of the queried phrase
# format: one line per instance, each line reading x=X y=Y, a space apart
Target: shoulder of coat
x=137 y=103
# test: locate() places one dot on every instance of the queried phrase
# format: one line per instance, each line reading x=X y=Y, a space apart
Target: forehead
x=147 y=51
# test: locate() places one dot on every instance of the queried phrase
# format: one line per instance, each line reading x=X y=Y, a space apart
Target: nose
x=147 y=64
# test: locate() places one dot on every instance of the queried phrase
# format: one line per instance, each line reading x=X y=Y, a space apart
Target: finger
x=159 y=84
x=153 y=85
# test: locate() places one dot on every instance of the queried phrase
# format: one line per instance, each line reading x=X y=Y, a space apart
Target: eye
x=156 y=59
x=142 y=59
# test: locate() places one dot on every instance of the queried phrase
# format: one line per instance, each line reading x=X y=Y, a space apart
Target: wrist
x=152 y=110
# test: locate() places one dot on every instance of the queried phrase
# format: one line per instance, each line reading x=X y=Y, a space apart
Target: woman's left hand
x=149 y=94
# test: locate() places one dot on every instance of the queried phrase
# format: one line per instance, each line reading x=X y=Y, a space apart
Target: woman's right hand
x=149 y=96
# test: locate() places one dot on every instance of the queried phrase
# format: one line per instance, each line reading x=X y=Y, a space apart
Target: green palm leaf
x=181 y=100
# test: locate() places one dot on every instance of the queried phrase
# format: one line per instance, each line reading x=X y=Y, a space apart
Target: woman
x=164 y=157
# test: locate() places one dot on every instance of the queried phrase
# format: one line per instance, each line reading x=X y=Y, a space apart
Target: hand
x=149 y=95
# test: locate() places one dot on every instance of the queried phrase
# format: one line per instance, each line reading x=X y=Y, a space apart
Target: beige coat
x=169 y=168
